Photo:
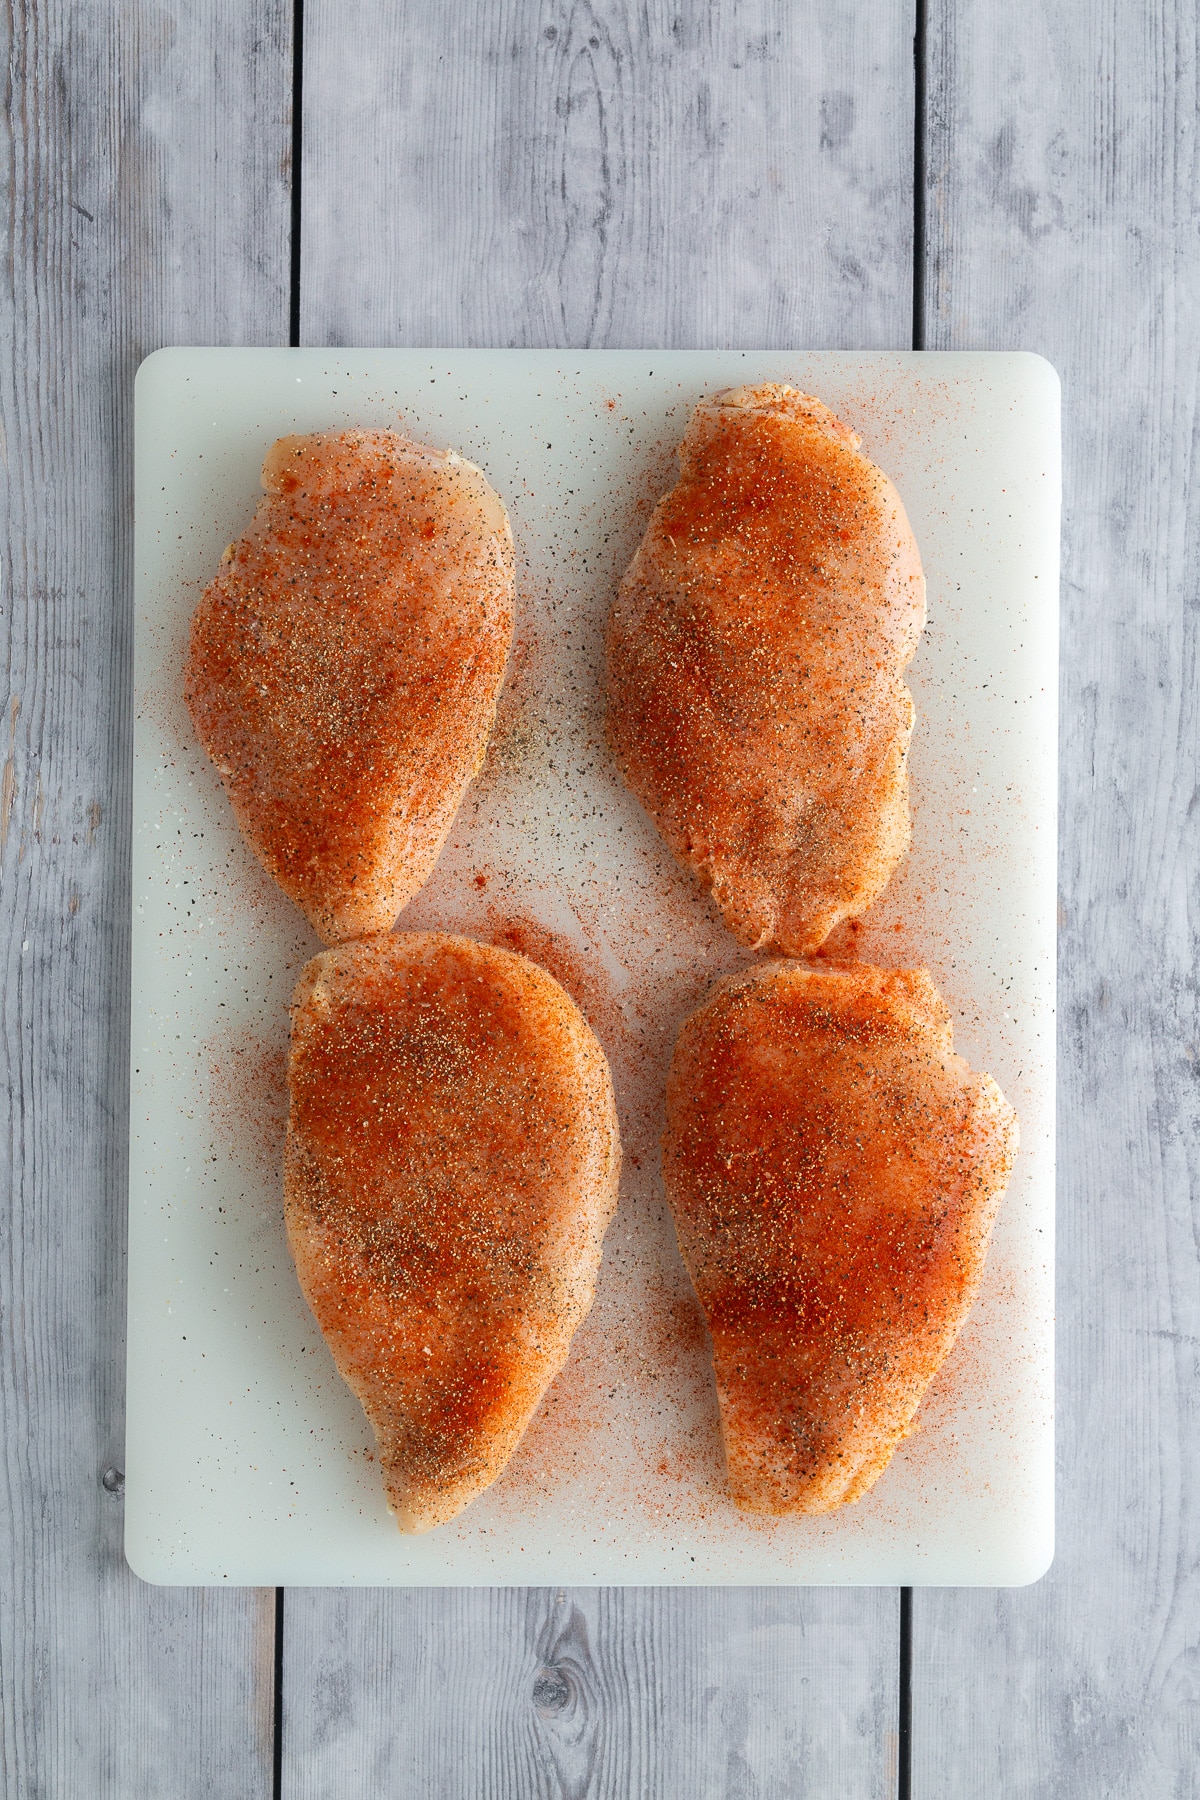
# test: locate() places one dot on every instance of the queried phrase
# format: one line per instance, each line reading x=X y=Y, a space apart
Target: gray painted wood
x=605 y=174
x=590 y=1694
x=144 y=193
x=1062 y=211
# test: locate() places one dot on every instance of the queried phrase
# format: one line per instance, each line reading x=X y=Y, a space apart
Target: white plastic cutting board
x=247 y=1460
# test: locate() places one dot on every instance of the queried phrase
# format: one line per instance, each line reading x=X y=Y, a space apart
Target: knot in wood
x=551 y=1690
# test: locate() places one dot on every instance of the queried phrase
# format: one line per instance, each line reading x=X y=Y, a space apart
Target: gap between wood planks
x=920 y=30
x=295 y=172
x=904 y=1672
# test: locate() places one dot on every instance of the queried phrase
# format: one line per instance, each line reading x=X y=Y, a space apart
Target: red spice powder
x=248 y=1101
x=581 y=974
x=834 y=1171
x=755 y=651
x=451 y=1166
x=344 y=664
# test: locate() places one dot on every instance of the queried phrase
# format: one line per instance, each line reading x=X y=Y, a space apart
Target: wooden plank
x=145 y=200
x=603 y=174
x=558 y=1694
x=1061 y=204
x=599 y=172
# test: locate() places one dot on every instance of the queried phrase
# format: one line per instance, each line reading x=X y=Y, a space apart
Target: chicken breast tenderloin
x=834 y=1170
x=755 y=654
x=345 y=664
x=451 y=1168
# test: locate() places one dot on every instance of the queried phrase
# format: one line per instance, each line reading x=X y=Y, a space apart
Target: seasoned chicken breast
x=755 y=653
x=345 y=664
x=834 y=1170
x=451 y=1167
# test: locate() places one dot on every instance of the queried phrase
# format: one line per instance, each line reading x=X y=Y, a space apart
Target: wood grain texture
x=600 y=172
x=607 y=174
x=590 y=1694
x=1061 y=204
x=145 y=201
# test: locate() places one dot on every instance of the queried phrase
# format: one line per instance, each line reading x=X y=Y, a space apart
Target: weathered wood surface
x=606 y=174
x=1062 y=215
x=145 y=201
x=590 y=1694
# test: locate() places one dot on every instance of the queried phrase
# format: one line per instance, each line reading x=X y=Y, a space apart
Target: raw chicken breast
x=834 y=1170
x=755 y=651
x=345 y=664
x=451 y=1167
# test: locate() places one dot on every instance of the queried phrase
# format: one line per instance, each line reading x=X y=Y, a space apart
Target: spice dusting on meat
x=345 y=664
x=834 y=1170
x=755 y=655
x=451 y=1168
